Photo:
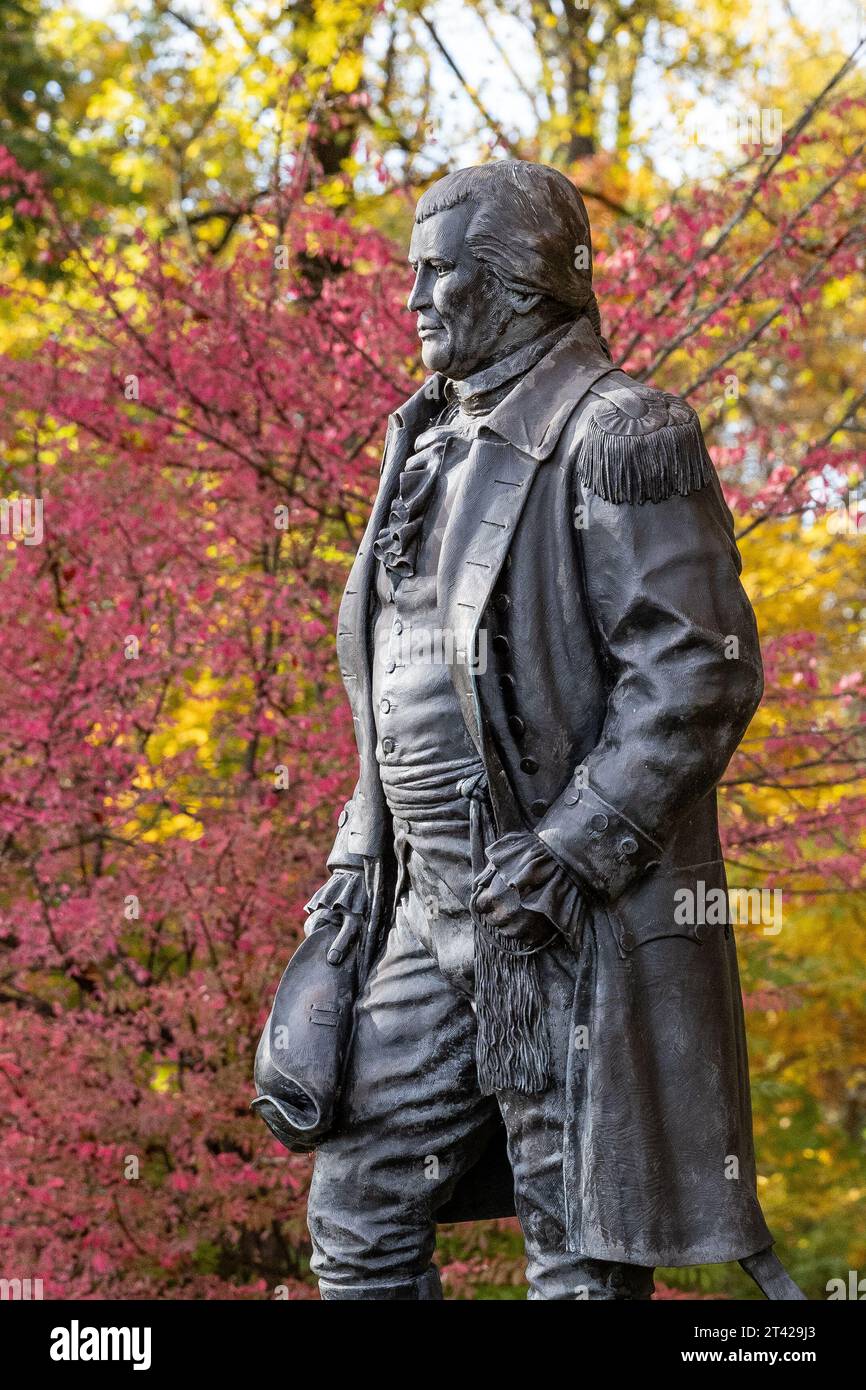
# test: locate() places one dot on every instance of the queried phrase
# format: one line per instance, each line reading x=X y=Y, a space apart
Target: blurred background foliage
x=186 y=124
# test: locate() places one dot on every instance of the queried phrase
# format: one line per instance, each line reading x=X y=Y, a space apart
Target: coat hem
x=708 y=1253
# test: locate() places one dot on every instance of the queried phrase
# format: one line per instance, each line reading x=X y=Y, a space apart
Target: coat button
x=516 y=725
x=388 y=745
x=627 y=941
x=529 y=766
x=599 y=821
x=502 y=602
x=398 y=626
x=390 y=666
x=628 y=845
x=501 y=644
x=538 y=808
x=385 y=706
x=507 y=685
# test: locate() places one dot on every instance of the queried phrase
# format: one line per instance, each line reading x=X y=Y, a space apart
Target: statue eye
x=442 y=270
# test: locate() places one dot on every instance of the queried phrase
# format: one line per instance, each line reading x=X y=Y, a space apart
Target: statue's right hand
x=349 y=924
x=322 y=917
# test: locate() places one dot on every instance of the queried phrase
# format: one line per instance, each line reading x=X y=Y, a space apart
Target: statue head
x=501 y=254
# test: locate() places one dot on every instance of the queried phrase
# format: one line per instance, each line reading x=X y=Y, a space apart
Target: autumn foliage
x=176 y=744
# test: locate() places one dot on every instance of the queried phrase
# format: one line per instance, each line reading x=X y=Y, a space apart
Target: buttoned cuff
x=343 y=854
x=345 y=889
x=606 y=850
x=542 y=885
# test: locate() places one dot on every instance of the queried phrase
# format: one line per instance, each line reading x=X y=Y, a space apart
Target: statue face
x=466 y=317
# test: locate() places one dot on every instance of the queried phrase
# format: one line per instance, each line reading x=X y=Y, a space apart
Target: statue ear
x=523 y=303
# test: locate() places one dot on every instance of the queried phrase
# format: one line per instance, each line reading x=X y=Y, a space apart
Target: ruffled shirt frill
x=345 y=889
x=541 y=883
x=397 y=543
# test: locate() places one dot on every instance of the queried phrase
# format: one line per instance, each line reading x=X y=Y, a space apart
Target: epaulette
x=642 y=444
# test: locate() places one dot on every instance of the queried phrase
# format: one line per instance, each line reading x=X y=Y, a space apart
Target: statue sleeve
x=677 y=637
x=346 y=888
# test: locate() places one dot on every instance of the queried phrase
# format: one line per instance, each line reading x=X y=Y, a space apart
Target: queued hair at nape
x=529 y=225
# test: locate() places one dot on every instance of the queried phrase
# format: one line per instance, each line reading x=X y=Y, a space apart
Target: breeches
x=413 y=1121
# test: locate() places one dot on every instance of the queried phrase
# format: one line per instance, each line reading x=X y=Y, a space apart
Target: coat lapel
x=497 y=477
x=491 y=496
x=352 y=644
x=353 y=623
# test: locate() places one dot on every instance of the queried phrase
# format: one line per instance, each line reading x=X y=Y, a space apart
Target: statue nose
x=418 y=299
x=422 y=290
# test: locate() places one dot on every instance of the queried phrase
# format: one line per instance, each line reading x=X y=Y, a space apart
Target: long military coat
x=590 y=536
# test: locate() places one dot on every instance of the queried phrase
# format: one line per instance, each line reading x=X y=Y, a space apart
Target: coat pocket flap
x=691 y=901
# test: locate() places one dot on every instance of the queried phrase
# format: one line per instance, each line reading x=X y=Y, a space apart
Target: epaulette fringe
x=672 y=461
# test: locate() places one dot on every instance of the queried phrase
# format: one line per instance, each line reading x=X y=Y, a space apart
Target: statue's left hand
x=349 y=926
x=495 y=900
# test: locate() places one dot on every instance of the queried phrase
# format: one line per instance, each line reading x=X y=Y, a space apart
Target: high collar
x=479 y=393
x=533 y=414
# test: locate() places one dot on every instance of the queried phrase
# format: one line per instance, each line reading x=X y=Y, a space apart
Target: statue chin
x=435 y=354
x=433 y=359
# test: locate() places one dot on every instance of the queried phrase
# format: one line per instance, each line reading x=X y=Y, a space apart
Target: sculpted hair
x=530 y=225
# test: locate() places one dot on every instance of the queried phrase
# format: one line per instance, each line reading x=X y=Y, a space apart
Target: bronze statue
x=550 y=660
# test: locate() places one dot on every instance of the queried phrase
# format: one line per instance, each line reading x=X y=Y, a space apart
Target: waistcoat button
x=388 y=745
x=529 y=766
x=599 y=821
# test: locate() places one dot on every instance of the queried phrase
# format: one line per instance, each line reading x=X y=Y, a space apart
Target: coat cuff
x=606 y=850
x=542 y=885
x=343 y=855
x=345 y=889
